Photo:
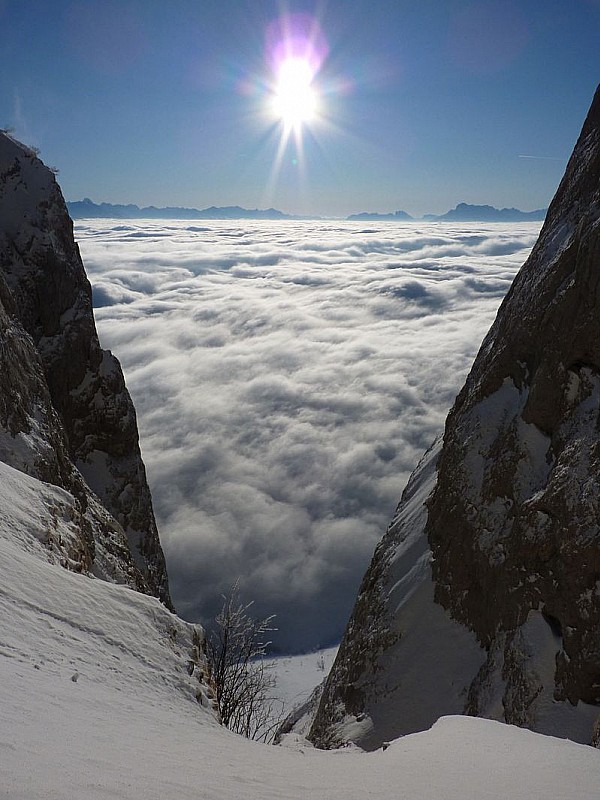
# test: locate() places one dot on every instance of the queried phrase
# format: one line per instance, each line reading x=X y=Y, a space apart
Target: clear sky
x=421 y=105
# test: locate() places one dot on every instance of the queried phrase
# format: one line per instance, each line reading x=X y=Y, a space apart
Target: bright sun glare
x=295 y=99
x=295 y=52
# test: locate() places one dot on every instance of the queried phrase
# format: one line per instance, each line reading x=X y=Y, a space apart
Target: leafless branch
x=243 y=677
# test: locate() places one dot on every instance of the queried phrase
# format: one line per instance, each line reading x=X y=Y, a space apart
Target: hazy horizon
x=289 y=213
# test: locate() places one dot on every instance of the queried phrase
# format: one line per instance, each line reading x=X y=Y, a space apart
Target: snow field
x=96 y=702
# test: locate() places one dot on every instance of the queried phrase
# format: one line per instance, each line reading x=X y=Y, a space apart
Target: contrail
x=542 y=158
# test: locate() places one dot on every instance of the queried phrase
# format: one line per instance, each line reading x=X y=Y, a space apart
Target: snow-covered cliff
x=65 y=414
x=484 y=595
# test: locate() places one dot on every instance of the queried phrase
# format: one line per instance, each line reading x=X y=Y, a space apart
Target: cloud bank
x=287 y=377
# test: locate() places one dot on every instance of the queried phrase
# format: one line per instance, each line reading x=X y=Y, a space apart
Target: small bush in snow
x=243 y=679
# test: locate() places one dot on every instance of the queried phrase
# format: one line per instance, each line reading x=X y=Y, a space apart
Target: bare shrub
x=243 y=678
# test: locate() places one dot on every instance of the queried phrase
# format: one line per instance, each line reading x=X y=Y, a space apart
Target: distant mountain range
x=464 y=212
x=86 y=208
x=469 y=213
x=366 y=216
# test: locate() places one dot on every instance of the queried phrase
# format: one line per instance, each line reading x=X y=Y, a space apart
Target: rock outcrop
x=66 y=416
x=484 y=596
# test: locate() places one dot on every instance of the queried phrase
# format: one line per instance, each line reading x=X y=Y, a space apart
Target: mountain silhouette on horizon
x=86 y=208
x=463 y=212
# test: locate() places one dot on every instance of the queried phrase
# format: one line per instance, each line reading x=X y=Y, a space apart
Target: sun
x=295 y=93
x=295 y=100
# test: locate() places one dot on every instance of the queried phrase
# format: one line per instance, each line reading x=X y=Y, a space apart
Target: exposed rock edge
x=66 y=416
x=484 y=594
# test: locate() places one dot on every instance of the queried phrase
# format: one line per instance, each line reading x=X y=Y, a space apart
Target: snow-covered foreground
x=90 y=740
x=96 y=702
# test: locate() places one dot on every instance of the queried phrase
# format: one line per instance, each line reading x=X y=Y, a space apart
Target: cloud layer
x=287 y=378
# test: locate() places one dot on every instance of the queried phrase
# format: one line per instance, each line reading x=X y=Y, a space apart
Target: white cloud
x=287 y=377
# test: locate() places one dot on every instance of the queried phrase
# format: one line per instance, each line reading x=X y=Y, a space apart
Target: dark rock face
x=26 y=408
x=87 y=417
x=515 y=513
x=32 y=440
x=497 y=555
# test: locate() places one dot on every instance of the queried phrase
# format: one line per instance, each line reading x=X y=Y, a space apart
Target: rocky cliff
x=484 y=596
x=65 y=414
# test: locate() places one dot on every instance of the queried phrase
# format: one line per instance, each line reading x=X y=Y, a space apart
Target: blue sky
x=424 y=104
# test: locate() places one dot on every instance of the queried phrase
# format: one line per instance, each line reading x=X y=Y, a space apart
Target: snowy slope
x=298 y=675
x=97 y=702
x=61 y=623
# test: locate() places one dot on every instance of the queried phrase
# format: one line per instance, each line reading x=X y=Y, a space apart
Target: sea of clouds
x=287 y=378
